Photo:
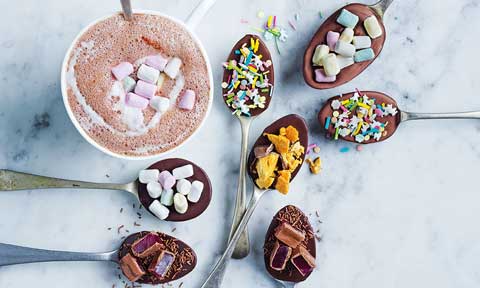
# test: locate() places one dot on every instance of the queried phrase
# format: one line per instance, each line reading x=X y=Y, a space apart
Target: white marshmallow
x=330 y=65
x=184 y=186
x=345 y=49
x=344 y=61
x=320 y=52
x=161 y=104
x=128 y=84
x=183 y=172
x=167 y=197
x=160 y=81
x=148 y=74
x=172 y=68
x=347 y=35
x=373 y=27
x=148 y=175
x=195 y=191
x=154 y=189
x=159 y=210
x=180 y=203
x=362 y=42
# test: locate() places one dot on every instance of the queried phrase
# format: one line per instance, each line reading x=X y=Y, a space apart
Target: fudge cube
x=280 y=256
x=303 y=260
x=161 y=264
x=146 y=245
x=130 y=268
x=287 y=234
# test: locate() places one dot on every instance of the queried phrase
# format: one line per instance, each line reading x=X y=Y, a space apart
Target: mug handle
x=197 y=14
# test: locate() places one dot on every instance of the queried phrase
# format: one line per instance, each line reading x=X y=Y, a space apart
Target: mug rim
x=75 y=121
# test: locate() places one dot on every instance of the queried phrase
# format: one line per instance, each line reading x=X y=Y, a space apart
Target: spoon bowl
x=348 y=73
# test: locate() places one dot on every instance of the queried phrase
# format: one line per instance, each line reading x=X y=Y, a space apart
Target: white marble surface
x=398 y=214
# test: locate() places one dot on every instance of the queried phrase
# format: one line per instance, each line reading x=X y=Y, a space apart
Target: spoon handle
x=198 y=13
x=405 y=116
x=12 y=180
x=243 y=246
x=381 y=6
x=12 y=254
x=127 y=9
x=215 y=278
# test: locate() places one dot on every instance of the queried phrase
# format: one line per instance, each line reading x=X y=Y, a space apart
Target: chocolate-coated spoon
x=12 y=180
x=215 y=278
x=12 y=255
x=243 y=247
x=393 y=121
x=348 y=73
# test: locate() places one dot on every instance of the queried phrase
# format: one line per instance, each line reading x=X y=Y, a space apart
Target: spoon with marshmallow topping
x=368 y=116
x=12 y=180
x=247 y=89
x=359 y=46
x=144 y=257
x=288 y=135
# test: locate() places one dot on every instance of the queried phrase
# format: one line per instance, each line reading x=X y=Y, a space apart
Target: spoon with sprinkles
x=247 y=89
x=368 y=117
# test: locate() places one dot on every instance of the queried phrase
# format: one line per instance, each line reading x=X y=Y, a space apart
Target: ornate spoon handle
x=12 y=254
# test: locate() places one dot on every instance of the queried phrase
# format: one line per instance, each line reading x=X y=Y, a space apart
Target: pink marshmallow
x=166 y=179
x=136 y=101
x=332 y=38
x=145 y=89
x=156 y=61
x=188 y=100
x=322 y=78
x=122 y=70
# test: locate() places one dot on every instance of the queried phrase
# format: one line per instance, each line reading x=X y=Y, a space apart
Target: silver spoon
x=215 y=278
x=127 y=9
x=243 y=246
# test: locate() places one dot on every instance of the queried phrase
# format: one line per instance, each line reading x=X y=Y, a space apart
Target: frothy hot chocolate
x=99 y=101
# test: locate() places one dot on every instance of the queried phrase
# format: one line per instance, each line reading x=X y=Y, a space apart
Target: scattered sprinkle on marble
x=344 y=149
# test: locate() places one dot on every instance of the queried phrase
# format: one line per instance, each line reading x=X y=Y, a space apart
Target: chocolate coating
x=168 y=241
x=194 y=209
x=350 y=72
x=290 y=273
x=292 y=119
x=263 y=50
x=393 y=121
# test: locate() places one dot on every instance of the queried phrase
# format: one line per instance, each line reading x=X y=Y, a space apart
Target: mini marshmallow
x=373 y=27
x=166 y=179
x=148 y=175
x=156 y=61
x=154 y=189
x=187 y=101
x=195 y=192
x=145 y=89
x=332 y=38
x=161 y=104
x=344 y=61
x=172 y=68
x=347 y=19
x=167 y=197
x=184 y=186
x=128 y=84
x=320 y=52
x=159 y=210
x=347 y=35
x=362 y=42
x=364 y=55
x=183 y=172
x=180 y=203
x=322 y=78
x=342 y=48
x=148 y=74
x=122 y=70
x=136 y=101
x=160 y=81
x=330 y=65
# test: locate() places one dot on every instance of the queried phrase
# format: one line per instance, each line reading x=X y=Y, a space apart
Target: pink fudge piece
x=156 y=61
x=122 y=70
x=332 y=38
x=166 y=179
x=322 y=78
x=136 y=101
x=188 y=100
x=145 y=89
